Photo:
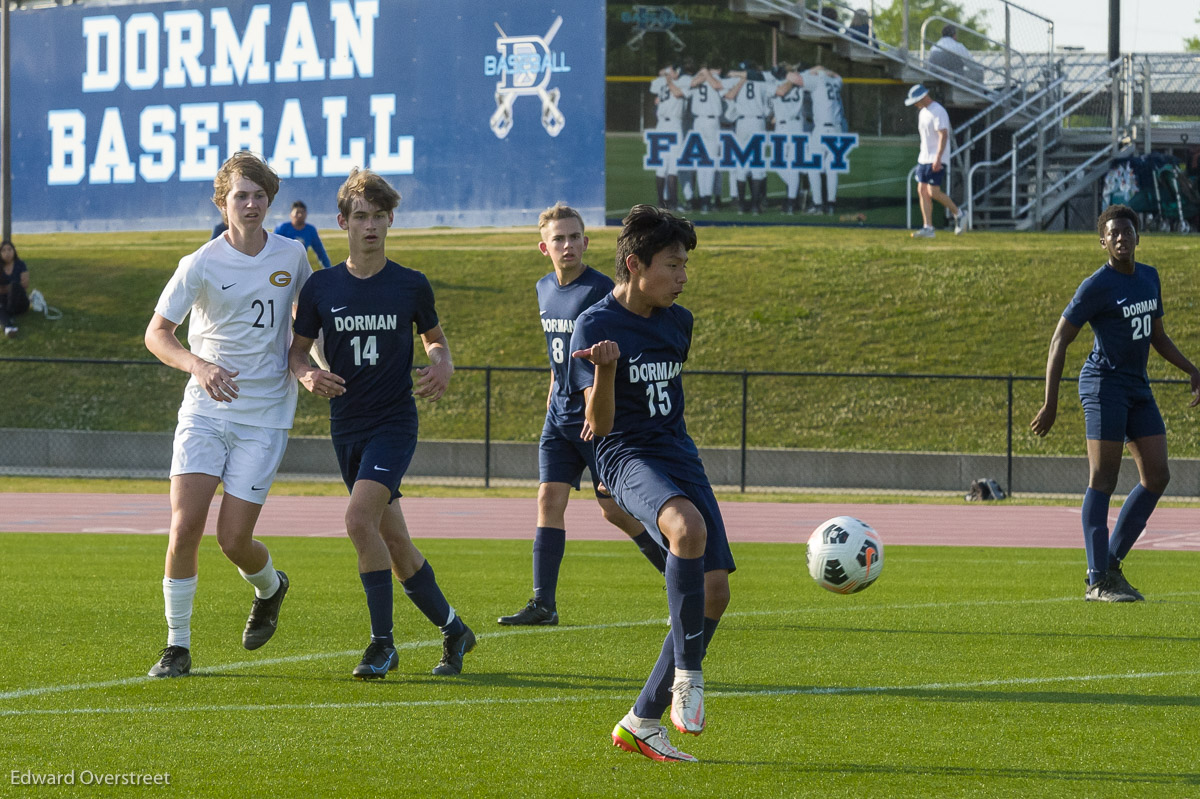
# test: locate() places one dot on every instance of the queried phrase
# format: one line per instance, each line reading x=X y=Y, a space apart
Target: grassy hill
x=766 y=299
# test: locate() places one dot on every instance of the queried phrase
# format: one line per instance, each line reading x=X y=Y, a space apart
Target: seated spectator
x=299 y=229
x=14 y=288
x=830 y=17
x=860 y=28
x=953 y=56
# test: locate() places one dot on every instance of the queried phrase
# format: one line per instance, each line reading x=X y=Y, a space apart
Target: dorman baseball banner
x=480 y=113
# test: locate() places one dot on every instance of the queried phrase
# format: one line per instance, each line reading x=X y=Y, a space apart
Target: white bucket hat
x=915 y=94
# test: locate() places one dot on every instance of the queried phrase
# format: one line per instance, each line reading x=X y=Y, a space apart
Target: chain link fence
x=755 y=430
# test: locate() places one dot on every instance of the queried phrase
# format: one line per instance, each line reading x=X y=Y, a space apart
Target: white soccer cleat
x=649 y=740
x=687 y=702
x=960 y=223
x=923 y=233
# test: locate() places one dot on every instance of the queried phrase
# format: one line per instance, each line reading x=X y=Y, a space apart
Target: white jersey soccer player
x=669 y=106
x=829 y=118
x=238 y=289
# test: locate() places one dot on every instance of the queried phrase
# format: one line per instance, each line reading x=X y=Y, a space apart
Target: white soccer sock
x=265 y=581
x=178 y=596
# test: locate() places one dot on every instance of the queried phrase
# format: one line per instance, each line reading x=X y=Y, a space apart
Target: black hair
x=300 y=204
x=647 y=231
x=1116 y=212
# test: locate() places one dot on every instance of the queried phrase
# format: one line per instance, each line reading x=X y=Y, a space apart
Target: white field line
x=409 y=645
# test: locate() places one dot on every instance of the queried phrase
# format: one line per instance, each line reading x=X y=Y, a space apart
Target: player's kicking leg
x=235 y=530
x=647 y=737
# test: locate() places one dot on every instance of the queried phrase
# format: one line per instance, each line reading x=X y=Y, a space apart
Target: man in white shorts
x=239 y=403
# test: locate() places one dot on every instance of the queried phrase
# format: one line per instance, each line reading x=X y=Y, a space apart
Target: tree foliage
x=889 y=23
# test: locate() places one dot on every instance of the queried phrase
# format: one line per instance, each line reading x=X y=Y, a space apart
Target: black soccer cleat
x=264 y=616
x=1117 y=578
x=377 y=661
x=453 y=649
x=1108 y=590
x=534 y=613
x=174 y=661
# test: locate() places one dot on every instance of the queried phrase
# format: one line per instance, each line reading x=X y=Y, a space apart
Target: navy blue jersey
x=560 y=306
x=368 y=327
x=1119 y=307
x=648 y=422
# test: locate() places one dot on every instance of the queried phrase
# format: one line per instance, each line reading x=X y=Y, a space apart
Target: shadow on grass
x=401 y=678
x=1072 y=635
x=969 y=772
x=949 y=694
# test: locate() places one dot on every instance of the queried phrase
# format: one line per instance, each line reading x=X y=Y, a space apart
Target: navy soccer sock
x=685 y=599
x=651 y=549
x=1095 y=532
x=422 y=589
x=549 y=543
x=1135 y=512
x=378 y=587
x=655 y=697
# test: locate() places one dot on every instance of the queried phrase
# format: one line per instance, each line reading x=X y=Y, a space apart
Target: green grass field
x=963 y=672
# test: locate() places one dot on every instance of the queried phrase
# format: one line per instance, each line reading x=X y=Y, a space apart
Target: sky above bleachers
x=1147 y=26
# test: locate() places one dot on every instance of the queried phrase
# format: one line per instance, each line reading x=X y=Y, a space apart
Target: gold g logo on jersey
x=280 y=279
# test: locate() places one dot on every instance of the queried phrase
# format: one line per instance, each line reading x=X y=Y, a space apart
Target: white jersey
x=825 y=91
x=241 y=320
x=788 y=108
x=705 y=101
x=751 y=100
x=669 y=110
x=932 y=118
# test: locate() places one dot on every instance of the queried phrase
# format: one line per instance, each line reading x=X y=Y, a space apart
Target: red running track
x=948 y=525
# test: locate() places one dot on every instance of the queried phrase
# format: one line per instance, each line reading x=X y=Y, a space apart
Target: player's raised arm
x=1064 y=334
x=433 y=380
x=600 y=397
x=318 y=381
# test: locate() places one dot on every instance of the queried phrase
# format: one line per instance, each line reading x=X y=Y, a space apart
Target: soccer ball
x=844 y=555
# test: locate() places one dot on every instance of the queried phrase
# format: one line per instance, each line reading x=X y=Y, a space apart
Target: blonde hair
x=556 y=212
x=371 y=187
x=249 y=166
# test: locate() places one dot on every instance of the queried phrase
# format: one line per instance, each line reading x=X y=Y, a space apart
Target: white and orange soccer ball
x=844 y=555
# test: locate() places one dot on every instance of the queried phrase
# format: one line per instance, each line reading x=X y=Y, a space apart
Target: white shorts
x=245 y=457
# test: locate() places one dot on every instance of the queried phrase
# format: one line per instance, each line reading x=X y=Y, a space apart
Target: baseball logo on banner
x=525 y=66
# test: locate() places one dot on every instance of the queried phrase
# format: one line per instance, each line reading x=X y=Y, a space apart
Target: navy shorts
x=1125 y=415
x=644 y=488
x=383 y=457
x=563 y=455
x=925 y=174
